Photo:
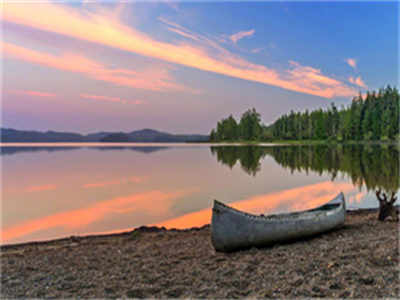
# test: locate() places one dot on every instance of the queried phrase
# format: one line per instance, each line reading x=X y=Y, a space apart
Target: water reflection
x=150 y=149
x=76 y=219
x=249 y=157
x=374 y=166
x=14 y=150
x=296 y=199
x=51 y=192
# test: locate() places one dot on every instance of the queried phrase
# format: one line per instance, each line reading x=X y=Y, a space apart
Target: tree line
x=248 y=128
x=372 y=117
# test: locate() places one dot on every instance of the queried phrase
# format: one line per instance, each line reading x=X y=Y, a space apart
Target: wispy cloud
x=110 y=99
x=352 y=62
x=307 y=78
x=41 y=188
x=183 y=33
x=178 y=29
x=108 y=30
x=357 y=81
x=256 y=50
x=33 y=93
x=174 y=4
x=241 y=34
x=155 y=78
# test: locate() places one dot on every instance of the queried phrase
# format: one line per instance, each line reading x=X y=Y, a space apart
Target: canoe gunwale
x=323 y=209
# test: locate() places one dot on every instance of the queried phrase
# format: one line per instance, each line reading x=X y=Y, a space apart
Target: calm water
x=51 y=192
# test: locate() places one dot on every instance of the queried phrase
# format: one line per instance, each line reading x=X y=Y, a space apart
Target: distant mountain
x=20 y=136
x=9 y=135
x=119 y=137
x=152 y=136
x=16 y=150
x=95 y=137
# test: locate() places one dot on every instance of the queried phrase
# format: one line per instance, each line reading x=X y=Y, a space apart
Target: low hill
x=9 y=135
x=21 y=136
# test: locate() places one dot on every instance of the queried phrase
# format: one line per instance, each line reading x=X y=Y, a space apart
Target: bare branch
x=393 y=198
x=378 y=195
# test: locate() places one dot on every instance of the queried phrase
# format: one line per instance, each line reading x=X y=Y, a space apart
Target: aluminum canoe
x=232 y=229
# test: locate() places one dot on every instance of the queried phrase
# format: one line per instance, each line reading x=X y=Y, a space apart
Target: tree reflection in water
x=376 y=167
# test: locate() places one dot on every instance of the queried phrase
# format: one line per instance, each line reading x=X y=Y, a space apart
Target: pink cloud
x=110 y=99
x=357 y=81
x=352 y=62
x=155 y=78
x=241 y=34
x=205 y=54
x=307 y=78
x=41 y=188
x=34 y=93
x=103 y=98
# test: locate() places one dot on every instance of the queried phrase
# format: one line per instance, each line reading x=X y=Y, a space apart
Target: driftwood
x=386 y=207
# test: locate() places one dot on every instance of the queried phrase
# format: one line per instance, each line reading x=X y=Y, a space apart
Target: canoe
x=232 y=229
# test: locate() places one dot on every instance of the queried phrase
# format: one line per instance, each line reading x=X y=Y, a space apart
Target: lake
x=55 y=191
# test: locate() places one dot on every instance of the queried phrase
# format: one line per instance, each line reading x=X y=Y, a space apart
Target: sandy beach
x=360 y=260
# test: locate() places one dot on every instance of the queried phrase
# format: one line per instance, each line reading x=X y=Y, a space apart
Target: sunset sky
x=181 y=66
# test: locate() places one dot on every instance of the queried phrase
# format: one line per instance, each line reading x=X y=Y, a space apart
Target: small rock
x=108 y=290
x=332 y=264
x=296 y=281
x=334 y=286
x=64 y=286
x=175 y=292
x=70 y=278
x=319 y=291
x=345 y=294
x=367 y=280
x=135 y=293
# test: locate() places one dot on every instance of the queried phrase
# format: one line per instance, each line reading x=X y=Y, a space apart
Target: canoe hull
x=232 y=229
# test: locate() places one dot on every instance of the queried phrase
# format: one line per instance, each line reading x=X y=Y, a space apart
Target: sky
x=180 y=67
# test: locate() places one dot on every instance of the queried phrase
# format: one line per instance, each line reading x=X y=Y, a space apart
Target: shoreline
x=206 y=143
x=100 y=235
x=358 y=260
x=138 y=144
x=311 y=143
x=143 y=228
